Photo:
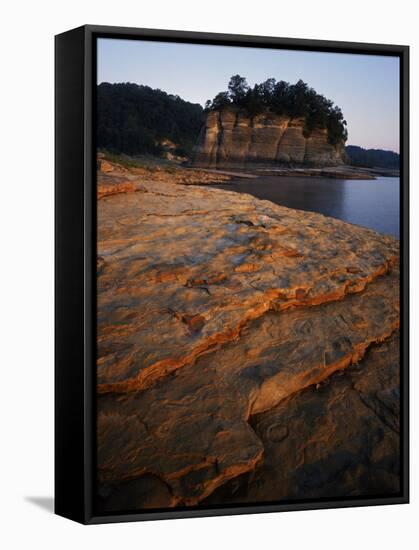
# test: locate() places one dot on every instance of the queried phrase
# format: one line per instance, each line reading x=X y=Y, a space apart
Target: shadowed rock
x=338 y=439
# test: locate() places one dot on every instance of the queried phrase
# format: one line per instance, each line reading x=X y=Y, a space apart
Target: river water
x=371 y=203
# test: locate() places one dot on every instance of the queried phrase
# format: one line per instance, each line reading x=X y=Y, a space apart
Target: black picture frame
x=75 y=268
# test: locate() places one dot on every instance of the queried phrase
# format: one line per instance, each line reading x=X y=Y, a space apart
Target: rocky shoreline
x=246 y=351
x=343 y=172
x=189 y=174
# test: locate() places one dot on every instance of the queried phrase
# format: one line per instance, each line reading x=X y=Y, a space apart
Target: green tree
x=135 y=119
x=220 y=100
x=238 y=89
x=283 y=98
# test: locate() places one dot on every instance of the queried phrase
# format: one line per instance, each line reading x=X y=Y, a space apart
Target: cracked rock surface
x=338 y=439
x=224 y=322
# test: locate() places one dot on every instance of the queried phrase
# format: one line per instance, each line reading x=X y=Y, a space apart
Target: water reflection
x=371 y=203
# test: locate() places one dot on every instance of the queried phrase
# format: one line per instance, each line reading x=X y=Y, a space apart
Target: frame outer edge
x=69 y=282
x=405 y=265
x=90 y=34
x=89 y=274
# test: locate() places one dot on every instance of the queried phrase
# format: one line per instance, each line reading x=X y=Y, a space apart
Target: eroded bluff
x=232 y=138
x=246 y=351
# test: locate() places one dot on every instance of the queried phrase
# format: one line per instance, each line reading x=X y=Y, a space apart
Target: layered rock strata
x=333 y=440
x=233 y=138
x=218 y=317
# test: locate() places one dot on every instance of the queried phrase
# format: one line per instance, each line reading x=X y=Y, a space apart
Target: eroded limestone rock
x=337 y=439
x=194 y=266
x=217 y=310
x=233 y=138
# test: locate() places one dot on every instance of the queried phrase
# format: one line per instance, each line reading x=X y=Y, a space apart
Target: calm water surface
x=371 y=203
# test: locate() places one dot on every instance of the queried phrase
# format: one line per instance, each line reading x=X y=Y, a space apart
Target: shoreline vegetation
x=236 y=335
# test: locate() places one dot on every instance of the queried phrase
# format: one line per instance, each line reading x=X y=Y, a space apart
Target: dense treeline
x=135 y=119
x=295 y=100
x=371 y=158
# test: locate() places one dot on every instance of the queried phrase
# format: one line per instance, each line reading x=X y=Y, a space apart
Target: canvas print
x=248 y=306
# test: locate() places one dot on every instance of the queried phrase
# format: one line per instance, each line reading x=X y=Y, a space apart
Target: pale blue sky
x=366 y=88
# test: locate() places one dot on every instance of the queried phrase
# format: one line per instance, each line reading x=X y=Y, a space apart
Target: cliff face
x=231 y=138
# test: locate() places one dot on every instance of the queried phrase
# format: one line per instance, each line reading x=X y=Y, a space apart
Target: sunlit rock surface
x=222 y=318
x=232 y=138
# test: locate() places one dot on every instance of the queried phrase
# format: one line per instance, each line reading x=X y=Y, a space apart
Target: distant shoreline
x=339 y=172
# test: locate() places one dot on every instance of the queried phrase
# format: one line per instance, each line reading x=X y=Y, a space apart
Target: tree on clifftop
x=238 y=89
x=220 y=100
x=293 y=100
